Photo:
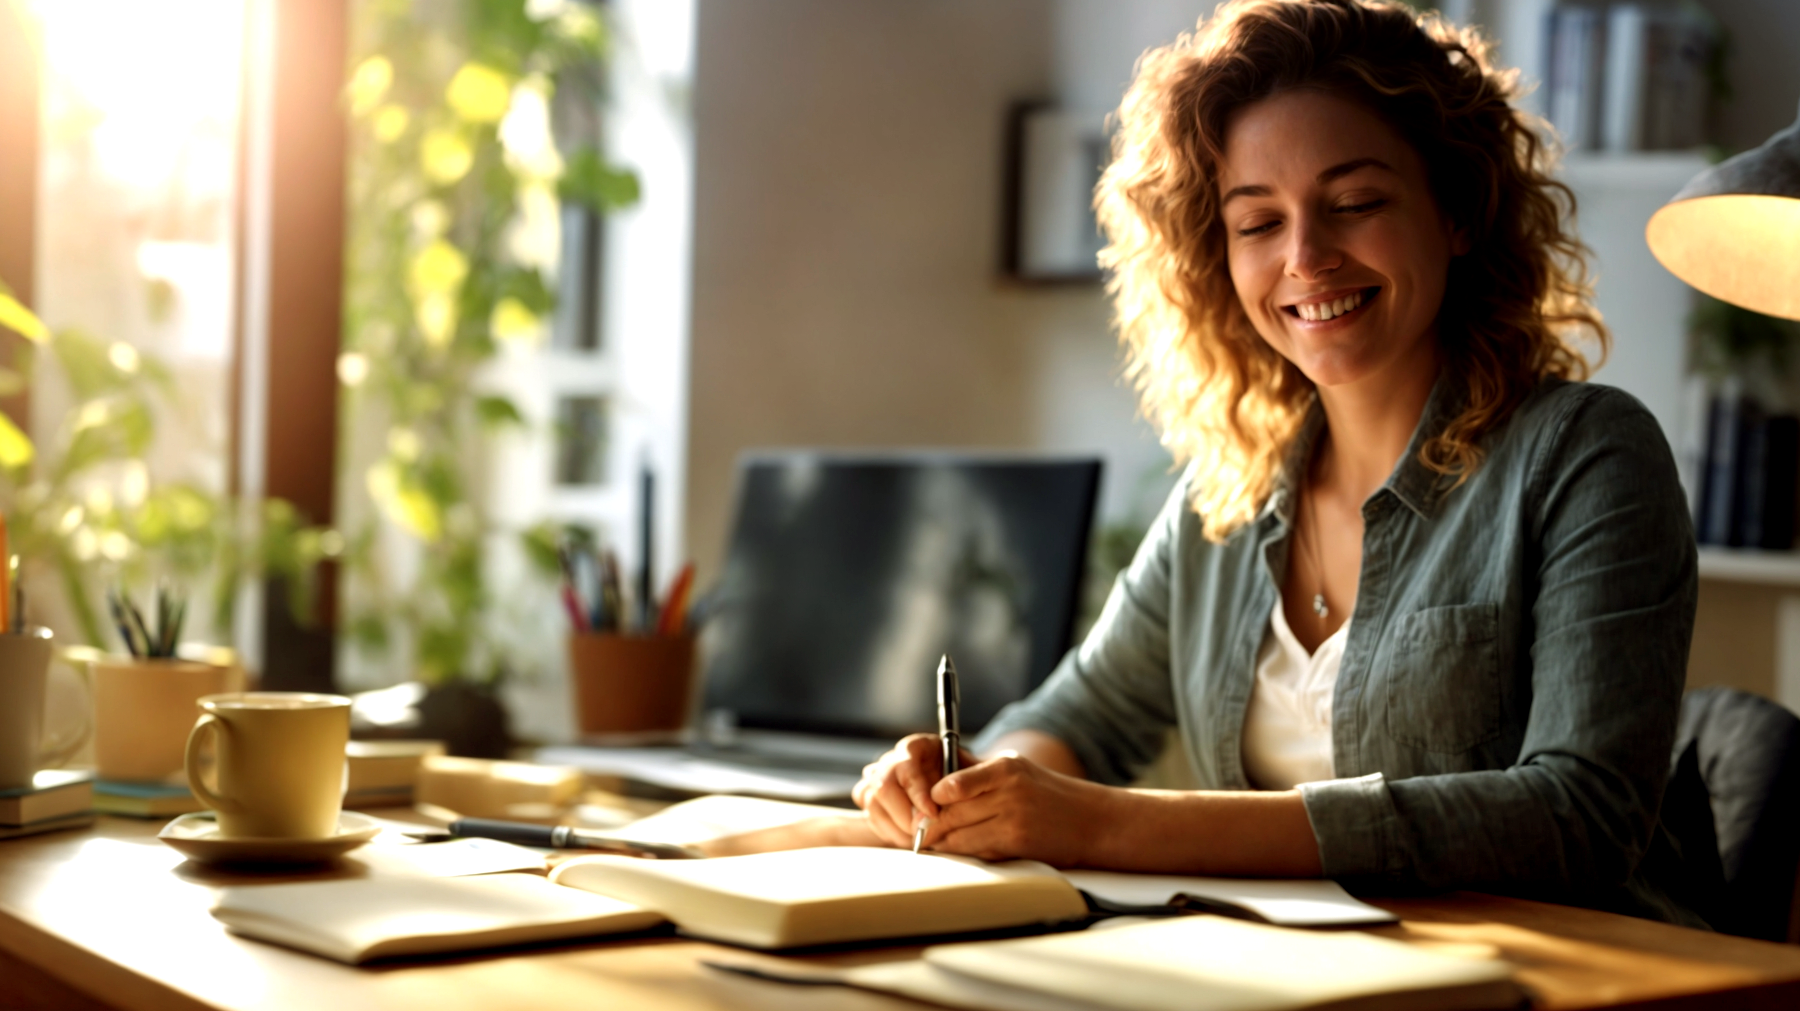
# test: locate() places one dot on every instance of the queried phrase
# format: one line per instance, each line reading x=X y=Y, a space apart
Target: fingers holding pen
x=895 y=789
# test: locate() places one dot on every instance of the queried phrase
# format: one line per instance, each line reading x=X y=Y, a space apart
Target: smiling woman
x=1419 y=609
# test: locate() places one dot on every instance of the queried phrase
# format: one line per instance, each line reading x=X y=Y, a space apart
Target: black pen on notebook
x=556 y=837
x=949 y=704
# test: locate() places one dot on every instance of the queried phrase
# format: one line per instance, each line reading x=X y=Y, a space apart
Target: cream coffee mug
x=279 y=759
x=24 y=672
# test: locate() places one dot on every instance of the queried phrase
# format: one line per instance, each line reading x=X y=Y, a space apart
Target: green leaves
x=16 y=450
x=20 y=320
x=455 y=207
x=498 y=412
x=590 y=182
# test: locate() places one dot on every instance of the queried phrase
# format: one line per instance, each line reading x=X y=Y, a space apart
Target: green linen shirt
x=1507 y=699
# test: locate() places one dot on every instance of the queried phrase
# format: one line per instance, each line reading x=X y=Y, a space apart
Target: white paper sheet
x=1312 y=902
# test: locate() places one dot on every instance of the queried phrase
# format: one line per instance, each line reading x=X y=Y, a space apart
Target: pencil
x=674 y=609
x=5 y=579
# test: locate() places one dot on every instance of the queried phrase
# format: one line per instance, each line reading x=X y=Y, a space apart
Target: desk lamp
x=1734 y=230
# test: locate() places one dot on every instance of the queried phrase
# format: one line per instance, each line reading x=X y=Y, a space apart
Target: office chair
x=1746 y=751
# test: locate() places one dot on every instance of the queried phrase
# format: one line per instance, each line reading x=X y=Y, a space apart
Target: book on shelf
x=1657 y=87
x=1575 y=82
x=1749 y=495
x=1627 y=77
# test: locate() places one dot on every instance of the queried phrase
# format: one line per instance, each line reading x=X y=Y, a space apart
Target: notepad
x=359 y=920
x=1192 y=962
x=823 y=896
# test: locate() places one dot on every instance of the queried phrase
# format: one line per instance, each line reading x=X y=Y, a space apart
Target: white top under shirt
x=1287 y=727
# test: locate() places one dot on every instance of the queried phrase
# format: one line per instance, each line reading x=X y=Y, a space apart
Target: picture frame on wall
x=1056 y=156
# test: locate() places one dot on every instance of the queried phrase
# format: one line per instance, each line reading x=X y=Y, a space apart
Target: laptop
x=846 y=578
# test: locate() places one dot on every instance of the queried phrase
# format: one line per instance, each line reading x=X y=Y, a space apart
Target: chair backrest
x=1748 y=752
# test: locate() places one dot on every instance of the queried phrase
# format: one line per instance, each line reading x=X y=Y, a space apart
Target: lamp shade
x=1734 y=230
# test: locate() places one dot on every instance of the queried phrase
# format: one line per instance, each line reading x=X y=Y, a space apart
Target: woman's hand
x=1010 y=807
x=896 y=788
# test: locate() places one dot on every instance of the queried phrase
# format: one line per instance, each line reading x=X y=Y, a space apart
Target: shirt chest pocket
x=1443 y=683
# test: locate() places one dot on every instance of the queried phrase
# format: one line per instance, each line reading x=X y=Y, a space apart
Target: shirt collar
x=1414 y=484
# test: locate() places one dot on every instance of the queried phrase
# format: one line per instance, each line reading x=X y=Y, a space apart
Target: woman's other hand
x=895 y=789
x=1010 y=807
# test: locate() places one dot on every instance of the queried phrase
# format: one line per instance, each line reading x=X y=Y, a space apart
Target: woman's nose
x=1312 y=251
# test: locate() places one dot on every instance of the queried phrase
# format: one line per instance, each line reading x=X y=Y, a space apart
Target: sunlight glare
x=147 y=75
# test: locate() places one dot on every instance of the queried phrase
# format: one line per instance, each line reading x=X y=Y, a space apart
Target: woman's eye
x=1364 y=207
x=1249 y=230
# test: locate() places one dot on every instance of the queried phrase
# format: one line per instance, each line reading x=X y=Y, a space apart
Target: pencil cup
x=24 y=674
x=143 y=710
x=635 y=685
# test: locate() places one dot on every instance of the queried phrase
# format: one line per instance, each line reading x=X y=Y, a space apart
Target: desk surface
x=114 y=913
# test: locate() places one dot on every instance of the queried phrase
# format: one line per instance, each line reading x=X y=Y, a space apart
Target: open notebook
x=1310 y=902
x=772 y=900
x=768 y=900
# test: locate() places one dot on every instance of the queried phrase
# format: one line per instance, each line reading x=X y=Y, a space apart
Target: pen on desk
x=564 y=837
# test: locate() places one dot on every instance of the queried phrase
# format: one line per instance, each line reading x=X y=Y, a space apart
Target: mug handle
x=57 y=757
x=191 y=760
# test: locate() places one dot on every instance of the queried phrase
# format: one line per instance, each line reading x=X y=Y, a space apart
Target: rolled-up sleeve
x=1111 y=698
x=1611 y=615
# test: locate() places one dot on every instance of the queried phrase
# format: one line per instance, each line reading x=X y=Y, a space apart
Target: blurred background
x=356 y=310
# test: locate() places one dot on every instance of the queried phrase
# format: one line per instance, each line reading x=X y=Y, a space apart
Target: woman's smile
x=1332 y=306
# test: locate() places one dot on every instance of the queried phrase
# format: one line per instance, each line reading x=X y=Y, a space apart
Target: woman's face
x=1336 y=245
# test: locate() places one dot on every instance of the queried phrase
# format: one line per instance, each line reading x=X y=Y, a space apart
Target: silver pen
x=949 y=715
x=949 y=705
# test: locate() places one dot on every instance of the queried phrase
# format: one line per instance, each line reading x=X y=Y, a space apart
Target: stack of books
x=385 y=773
x=1629 y=76
x=56 y=799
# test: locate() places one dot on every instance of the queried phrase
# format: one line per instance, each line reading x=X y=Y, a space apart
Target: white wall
x=847 y=206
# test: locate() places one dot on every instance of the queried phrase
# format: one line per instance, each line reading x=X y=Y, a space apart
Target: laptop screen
x=847 y=578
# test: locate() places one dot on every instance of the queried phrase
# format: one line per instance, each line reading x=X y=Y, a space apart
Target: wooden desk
x=113 y=913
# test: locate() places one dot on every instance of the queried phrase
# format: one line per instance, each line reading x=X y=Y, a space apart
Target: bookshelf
x=1750 y=565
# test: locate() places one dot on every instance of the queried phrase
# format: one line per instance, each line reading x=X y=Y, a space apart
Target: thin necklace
x=1319 y=607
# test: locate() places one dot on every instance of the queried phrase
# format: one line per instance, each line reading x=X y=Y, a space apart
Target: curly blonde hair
x=1516 y=307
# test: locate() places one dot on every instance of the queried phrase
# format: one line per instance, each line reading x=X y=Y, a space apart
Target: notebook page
x=1229 y=965
x=1307 y=902
x=707 y=818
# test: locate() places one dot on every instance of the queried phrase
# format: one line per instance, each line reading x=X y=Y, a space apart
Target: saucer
x=197 y=837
